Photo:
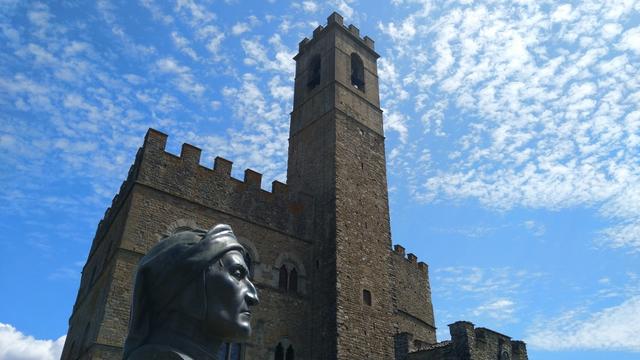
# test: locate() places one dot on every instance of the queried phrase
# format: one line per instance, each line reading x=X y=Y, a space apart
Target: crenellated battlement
x=399 y=250
x=190 y=155
x=336 y=19
x=216 y=188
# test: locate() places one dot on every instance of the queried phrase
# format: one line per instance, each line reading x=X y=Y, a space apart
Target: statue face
x=230 y=295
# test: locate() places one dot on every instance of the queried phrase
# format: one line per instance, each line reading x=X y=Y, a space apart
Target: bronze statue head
x=192 y=292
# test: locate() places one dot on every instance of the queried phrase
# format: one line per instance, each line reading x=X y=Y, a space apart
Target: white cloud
x=196 y=14
x=396 y=122
x=343 y=7
x=183 y=79
x=310 y=6
x=631 y=40
x=183 y=45
x=280 y=91
x=613 y=328
x=258 y=55
x=156 y=12
x=213 y=39
x=562 y=13
x=261 y=142
x=483 y=282
x=535 y=227
x=498 y=309
x=240 y=28
x=15 y=345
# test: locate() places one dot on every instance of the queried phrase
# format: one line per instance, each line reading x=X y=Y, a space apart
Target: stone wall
x=413 y=311
x=363 y=241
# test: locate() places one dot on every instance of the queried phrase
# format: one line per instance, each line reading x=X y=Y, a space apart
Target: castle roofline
x=335 y=20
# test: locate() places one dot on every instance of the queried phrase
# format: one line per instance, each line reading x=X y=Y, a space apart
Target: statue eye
x=238 y=272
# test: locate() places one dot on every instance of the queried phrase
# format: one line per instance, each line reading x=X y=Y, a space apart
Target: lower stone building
x=320 y=251
x=467 y=343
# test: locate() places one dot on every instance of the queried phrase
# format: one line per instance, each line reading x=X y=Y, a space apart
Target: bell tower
x=336 y=154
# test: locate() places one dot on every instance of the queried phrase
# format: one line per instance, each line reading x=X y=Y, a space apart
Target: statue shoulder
x=157 y=352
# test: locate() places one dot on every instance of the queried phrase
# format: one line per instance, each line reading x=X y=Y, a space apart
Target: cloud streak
x=613 y=328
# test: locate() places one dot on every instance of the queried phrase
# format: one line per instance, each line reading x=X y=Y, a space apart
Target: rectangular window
x=366 y=297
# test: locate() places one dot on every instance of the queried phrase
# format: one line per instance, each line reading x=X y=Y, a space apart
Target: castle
x=331 y=285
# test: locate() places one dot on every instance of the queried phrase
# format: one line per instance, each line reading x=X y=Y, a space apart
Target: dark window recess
x=282 y=281
x=289 y=353
x=279 y=352
x=314 y=72
x=293 y=280
x=366 y=297
x=357 y=72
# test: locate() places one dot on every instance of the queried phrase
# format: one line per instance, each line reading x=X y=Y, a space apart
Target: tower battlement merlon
x=253 y=178
x=336 y=20
x=222 y=166
x=399 y=250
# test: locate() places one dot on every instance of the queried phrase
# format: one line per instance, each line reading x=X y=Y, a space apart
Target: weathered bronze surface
x=192 y=294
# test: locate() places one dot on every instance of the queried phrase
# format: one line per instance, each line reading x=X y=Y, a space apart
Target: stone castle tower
x=330 y=284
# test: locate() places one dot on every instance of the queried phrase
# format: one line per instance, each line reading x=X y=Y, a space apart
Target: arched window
x=504 y=355
x=314 y=72
x=357 y=72
x=293 y=280
x=289 y=353
x=279 y=352
x=282 y=281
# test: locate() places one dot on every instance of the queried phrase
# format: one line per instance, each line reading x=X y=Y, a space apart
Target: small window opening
x=317 y=264
x=284 y=275
x=289 y=355
x=357 y=72
x=366 y=297
x=314 y=72
x=279 y=352
x=293 y=280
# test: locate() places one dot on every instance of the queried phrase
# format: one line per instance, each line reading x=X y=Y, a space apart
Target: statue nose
x=252 y=295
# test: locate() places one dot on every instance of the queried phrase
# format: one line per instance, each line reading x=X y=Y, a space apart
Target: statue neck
x=186 y=335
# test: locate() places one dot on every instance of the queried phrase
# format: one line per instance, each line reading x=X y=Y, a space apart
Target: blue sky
x=513 y=134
